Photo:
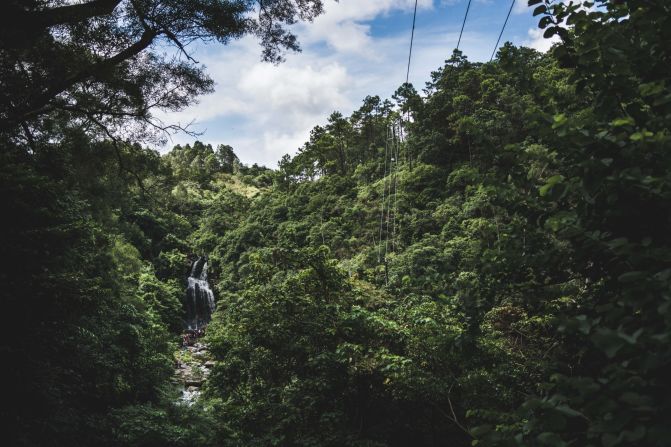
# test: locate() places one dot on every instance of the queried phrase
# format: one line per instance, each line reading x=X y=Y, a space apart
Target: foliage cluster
x=521 y=299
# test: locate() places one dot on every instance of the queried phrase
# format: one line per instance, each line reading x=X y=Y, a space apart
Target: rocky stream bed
x=193 y=366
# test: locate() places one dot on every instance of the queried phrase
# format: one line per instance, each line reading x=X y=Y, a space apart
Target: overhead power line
x=384 y=191
x=392 y=152
x=464 y=23
x=412 y=38
x=397 y=146
x=496 y=47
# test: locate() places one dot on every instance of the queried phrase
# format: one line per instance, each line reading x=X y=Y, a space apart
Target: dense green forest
x=505 y=281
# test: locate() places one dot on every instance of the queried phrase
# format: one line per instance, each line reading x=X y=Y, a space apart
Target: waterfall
x=199 y=297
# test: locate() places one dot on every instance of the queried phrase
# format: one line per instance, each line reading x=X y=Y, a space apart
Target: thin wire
x=401 y=144
x=400 y=138
x=464 y=23
x=412 y=39
x=502 y=29
x=384 y=190
x=391 y=167
x=392 y=186
x=396 y=157
x=408 y=154
x=394 y=142
x=391 y=134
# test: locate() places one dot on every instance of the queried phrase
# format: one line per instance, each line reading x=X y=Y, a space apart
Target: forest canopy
x=485 y=262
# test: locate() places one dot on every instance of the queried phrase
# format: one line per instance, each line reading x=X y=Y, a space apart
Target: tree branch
x=69 y=14
x=36 y=105
x=117 y=150
x=164 y=30
x=29 y=136
x=453 y=416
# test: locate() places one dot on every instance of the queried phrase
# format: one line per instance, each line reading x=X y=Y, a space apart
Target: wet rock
x=193 y=382
x=190 y=396
x=192 y=368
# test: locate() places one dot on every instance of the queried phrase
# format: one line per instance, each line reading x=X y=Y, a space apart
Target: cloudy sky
x=357 y=48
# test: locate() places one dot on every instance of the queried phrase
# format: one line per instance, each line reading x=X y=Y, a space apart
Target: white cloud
x=265 y=111
x=521 y=7
x=538 y=42
x=341 y=26
x=535 y=35
x=257 y=107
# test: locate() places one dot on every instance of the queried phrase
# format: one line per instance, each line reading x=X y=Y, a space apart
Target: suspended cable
x=384 y=190
x=397 y=145
x=386 y=239
x=412 y=39
x=502 y=29
x=392 y=186
x=401 y=136
x=468 y=7
x=393 y=153
x=408 y=154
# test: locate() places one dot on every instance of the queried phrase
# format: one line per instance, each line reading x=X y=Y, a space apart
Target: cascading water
x=199 y=297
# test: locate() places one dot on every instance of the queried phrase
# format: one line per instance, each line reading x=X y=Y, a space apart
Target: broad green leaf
x=550 y=183
x=619 y=122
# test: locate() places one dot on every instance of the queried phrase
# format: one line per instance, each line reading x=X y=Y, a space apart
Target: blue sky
x=357 y=48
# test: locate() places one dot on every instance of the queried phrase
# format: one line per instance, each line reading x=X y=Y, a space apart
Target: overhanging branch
x=35 y=105
x=70 y=13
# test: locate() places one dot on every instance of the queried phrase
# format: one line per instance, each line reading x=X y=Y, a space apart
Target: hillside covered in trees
x=484 y=262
